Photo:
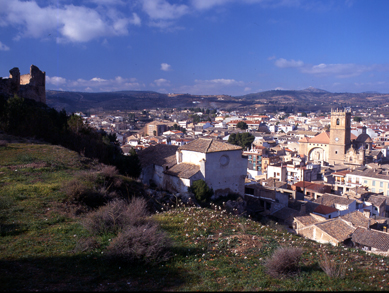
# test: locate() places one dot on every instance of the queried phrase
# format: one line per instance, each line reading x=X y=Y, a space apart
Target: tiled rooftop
x=331 y=199
x=337 y=228
x=357 y=219
x=207 y=145
x=324 y=210
x=372 y=238
x=160 y=154
x=183 y=170
x=307 y=220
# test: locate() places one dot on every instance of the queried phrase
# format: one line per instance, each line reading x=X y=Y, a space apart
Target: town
x=323 y=175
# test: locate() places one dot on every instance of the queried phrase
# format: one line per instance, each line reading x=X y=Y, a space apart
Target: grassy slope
x=213 y=250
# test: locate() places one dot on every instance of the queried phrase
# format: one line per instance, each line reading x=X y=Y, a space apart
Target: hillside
x=44 y=246
x=310 y=99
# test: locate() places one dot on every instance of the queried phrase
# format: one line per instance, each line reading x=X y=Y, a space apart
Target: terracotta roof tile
x=336 y=228
x=357 y=219
x=332 y=199
x=307 y=220
x=324 y=210
x=183 y=170
x=371 y=238
x=208 y=145
x=160 y=154
x=323 y=137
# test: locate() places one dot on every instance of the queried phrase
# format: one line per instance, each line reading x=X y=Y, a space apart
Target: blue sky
x=232 y=47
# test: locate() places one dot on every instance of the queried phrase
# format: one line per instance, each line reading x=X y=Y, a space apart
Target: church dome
x=364 y=137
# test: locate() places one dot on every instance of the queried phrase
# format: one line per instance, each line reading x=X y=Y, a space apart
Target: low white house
x=220 y=164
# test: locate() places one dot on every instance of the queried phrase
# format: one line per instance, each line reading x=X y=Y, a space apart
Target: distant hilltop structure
x=28 y=86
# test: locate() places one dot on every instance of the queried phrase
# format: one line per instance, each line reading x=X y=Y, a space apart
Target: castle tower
x=340 y=132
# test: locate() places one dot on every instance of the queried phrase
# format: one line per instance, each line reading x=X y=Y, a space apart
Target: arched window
x=337 y=121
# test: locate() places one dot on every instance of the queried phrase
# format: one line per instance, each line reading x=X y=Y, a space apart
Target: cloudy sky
x=232 y=47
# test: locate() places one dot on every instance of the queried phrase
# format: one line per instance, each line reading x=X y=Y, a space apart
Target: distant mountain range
x=307 y=99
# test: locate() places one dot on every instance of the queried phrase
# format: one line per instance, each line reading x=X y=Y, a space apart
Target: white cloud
x=283 y=63
x=339 y=70
x=95 y=84
x=3 y=47
x=206 y=4
x=247 y=89
x=162 y=82
x=165 y=67
x=161 y=9
x=74 y=23
x=55 y=80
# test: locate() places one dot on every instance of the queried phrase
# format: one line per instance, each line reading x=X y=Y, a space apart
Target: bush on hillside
x=284 y=262
x=201 y=191
x=145 y=243
x=116 y=216
x=83 y=190
x=332 y=269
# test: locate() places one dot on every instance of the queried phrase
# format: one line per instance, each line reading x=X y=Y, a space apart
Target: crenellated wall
x=28 y=86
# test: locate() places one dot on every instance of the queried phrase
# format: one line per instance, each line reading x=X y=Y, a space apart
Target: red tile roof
x=324 y=210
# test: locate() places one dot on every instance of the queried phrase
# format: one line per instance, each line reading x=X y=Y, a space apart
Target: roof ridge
x=209 y=145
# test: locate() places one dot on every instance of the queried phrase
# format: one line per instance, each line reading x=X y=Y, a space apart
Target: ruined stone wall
x=28 y=86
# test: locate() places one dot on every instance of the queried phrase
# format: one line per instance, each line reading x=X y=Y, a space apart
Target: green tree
x=196 y=118
x=242 y=125
x=201 y=191
x=357 y=119
x=241 y=139
x=76 y=124
x=303 y=114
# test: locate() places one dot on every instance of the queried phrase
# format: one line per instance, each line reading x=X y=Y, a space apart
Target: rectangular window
x=380 y=191
x=249 y=157
x=373 y=182
x=387 y=193
x=381 y=184
x=373 y=189
x=365 y=181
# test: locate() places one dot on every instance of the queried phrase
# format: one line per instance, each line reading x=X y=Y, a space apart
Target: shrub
x=145 y=243
x=109 y=172
x=284 y=262
x=201 y=191
x=116 y=215
x=80 y=191
x=3 y=143
x=331 y=268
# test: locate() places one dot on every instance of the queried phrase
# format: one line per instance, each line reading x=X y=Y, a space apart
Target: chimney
x=368 y=227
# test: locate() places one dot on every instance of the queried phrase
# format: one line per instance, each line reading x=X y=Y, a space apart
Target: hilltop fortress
x=28 y=86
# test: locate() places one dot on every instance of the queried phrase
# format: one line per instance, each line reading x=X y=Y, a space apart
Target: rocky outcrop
x=28 y=86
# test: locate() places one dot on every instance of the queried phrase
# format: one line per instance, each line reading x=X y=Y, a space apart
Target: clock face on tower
x=336 y=138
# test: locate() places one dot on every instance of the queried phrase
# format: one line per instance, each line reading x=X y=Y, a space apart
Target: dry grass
x=332 y=269
x=116 y=215
x=146 y=243
x=284 y=262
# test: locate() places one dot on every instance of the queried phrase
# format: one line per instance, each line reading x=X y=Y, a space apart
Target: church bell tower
x=340 y=132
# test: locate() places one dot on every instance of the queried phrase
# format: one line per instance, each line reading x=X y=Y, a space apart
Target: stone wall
x=28 y=86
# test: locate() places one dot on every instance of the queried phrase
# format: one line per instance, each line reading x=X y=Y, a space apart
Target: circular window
x=224 y=160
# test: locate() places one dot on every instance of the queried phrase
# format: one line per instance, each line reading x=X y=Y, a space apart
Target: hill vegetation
x=49 y=240
x=27 y=118
x=310 y=99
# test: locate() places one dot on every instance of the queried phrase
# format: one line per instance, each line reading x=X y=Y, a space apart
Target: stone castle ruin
x=28 y=86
